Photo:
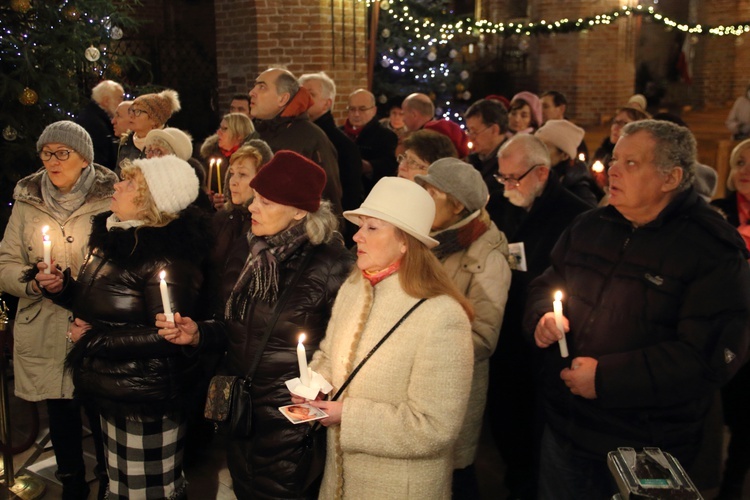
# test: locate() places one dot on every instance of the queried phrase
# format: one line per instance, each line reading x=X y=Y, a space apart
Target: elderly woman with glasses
x=421 y=148
x=60 y=201
x=148 y=112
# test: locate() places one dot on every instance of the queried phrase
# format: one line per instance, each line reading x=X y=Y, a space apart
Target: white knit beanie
x=171 y=181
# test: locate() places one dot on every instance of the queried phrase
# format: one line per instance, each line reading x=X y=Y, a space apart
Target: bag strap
x=372 y=351
x=276 y=312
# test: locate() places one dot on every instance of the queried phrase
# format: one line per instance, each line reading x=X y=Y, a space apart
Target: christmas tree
x=51 y=54
x=416 y=55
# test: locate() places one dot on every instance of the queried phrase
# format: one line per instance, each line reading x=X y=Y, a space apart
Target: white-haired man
x=96 y=118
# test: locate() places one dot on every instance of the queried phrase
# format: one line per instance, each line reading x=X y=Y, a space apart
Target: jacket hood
x=29 y=189
x=185 y=238
x=301 y=102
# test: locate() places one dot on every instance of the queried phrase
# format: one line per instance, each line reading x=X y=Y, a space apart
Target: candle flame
x=45 y=238
x=162 y=275
x=470 y=145
x=558 y=295
x=44 y=230
x=213 y=160
x=582 y=157
x=302 y=338
x=218 y=162
x=597 y=167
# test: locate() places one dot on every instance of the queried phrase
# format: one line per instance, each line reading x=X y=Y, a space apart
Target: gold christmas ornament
x=92 y=54
x=28 y=97
x=460 y=87
x=115 y=69
x=20 y=6
x=71 y=13
x=432 y=96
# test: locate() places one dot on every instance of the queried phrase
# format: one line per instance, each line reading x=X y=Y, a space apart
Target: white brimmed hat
x=179 y=141
x=400 y=202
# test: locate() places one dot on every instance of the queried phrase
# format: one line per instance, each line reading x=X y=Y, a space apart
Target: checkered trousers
x=144 y=458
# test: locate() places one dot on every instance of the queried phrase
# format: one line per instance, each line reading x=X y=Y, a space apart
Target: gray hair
x=286 y=82
x=534 y=150
x=322 y=225
x=106 y=88
x=326 y=82
x=675 y=147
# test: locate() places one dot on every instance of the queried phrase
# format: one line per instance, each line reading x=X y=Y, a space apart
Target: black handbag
x=229 y=397
x=311 y=464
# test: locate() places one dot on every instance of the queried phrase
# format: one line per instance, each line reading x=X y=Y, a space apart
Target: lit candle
x=165 y=297
x=304 y=376
x=582 y=157
x=470 y=145
x=47 y=246
x=597 y=167
x=557 y=307
x=218 y=175
x=210 y=173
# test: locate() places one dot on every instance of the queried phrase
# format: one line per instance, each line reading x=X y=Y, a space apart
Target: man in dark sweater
x=96 y=118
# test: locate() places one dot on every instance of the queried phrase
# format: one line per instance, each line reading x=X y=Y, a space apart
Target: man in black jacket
x=534 y=210
x=657 y=302
x=377 y=144
x=96 y=118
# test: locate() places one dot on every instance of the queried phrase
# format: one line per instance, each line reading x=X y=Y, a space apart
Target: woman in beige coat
x=64 y=197
x=392 y=432
x=474 y=252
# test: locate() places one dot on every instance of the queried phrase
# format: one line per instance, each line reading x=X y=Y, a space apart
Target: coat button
x=70 y=239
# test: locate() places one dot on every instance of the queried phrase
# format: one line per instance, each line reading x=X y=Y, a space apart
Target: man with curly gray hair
x=657 y=310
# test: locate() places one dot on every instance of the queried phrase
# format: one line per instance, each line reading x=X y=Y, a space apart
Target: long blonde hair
x=421 y=275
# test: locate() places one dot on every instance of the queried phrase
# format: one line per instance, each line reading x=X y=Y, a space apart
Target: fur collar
x=185 y=238
x=29 y=189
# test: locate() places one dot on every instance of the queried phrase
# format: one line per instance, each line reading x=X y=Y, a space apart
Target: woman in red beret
x=292 y=231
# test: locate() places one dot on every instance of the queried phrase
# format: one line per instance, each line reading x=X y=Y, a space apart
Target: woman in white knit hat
x=140 y=382
x=63 y=197
x=391 y=433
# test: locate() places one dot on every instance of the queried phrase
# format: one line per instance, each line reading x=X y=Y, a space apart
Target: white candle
x=304 y=375
x=218 y=175
x=557 y=307
x=165 y=296
x=47 y=246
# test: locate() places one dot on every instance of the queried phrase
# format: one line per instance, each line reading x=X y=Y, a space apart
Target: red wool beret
x=291 y=179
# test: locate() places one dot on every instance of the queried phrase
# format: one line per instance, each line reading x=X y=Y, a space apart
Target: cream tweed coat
x=403 y=411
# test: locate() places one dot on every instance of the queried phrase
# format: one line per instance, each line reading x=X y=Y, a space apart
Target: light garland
x=466 y=26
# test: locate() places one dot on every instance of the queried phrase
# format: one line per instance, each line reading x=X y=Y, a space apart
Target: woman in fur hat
x=141 y=383
x=148 y=112
x=63 y=197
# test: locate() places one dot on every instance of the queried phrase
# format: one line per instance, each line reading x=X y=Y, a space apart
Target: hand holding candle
x=47 y=247
x=557 y=308
x=165 y=297
x=304 y=375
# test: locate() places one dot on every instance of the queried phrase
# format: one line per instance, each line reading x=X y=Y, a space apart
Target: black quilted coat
x=264 y=466
x=122 y=363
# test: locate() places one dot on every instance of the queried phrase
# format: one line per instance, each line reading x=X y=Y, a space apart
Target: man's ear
x=673 y=179
x=284 y=99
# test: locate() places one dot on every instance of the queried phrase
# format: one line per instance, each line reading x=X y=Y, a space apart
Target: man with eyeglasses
x=377 y=144
x=279 y=108
x=540 y=211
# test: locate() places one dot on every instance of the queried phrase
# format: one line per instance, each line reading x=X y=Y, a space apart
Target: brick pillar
x=303 y=35
x=742 y=53
x=595 y=69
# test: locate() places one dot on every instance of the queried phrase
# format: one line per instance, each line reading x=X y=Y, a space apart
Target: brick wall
x=302 y=35
x=715 y=57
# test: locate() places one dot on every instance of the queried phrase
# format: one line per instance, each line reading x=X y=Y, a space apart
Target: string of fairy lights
x=426 y=28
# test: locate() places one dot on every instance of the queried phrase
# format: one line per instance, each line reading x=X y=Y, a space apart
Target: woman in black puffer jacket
x=291 y=228
x=141 y=383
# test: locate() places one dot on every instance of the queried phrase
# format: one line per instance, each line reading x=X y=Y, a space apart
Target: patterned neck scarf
x=259 y=279
x=378 y=276
x=61 y=205
x=461 y=235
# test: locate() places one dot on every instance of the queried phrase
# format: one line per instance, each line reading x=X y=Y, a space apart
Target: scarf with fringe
x=461 y=235
x=259 y=279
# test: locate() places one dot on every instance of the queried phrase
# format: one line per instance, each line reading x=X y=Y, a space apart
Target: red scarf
x=350 y=131
x=743 y=210
x=229 y=152
x=378 y=276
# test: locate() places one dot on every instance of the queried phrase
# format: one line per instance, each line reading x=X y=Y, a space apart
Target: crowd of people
x=419 y=258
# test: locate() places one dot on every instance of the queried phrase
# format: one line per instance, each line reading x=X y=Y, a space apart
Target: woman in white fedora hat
x=393 y=428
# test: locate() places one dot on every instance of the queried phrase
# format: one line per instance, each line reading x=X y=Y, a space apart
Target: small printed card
x=298 y=414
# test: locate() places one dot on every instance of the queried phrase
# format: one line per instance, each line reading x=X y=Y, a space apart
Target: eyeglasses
x=151 y=151
x=358 y=109
x=60 y=154
x=411 y=163
x=476 y=133
x=514 y=182
x=136 y=112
